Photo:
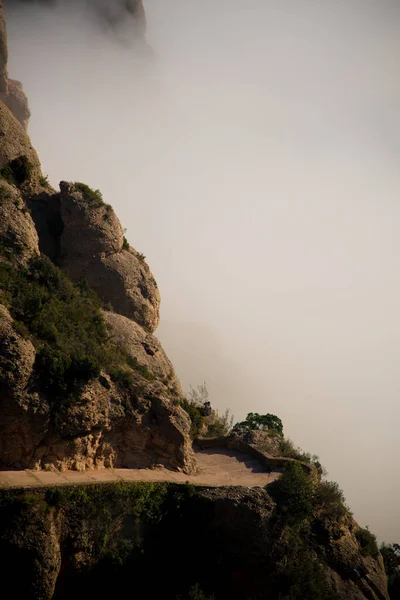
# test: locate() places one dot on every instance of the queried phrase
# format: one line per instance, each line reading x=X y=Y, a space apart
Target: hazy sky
x=255 y=162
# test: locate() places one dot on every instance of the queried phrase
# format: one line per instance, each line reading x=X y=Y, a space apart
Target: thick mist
x=254 y=158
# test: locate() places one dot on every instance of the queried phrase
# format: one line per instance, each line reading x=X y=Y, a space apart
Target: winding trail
x=216 y=467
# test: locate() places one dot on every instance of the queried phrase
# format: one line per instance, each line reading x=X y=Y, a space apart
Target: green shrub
x=125 y=244
x=94 y=197
x=17 y=171
x=391 y=560
x=329 y=498
x=367 y=541
x=66 y=326
x=195 y=415
x=289 y=450
x=297 y=574
x=121 y=376
x=63 y=320
x=293 y=493
x=133 y=362
x=44 y=181
x=219 y=425
x=255 y=421
x=211 y=425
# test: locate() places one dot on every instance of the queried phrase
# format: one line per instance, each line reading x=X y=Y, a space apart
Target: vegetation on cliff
x=255 y=421
x=76 y=541
x=17 y=171
x=65 y=323
x=202 y=425
x=391 y=560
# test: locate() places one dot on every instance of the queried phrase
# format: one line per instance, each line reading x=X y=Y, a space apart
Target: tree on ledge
x=255 y=421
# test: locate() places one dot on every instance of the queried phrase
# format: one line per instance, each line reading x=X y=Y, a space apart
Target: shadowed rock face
x=224 y=539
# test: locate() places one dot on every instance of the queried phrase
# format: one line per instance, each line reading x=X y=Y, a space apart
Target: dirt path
x=216 y=467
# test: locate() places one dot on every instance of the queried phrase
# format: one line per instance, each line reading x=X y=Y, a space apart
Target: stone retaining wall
x=234 y=442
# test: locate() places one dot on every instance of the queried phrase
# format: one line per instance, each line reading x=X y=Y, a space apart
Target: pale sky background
x=255 y=162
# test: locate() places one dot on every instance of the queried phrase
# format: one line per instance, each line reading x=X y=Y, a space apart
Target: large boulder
x=15 y=145
x=145 y=348
x=92 y=247
x=17 y=102
x=106 y=426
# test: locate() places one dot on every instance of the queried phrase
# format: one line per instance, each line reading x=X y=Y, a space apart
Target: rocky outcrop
x=104 y=423
x=105 y=427
x=17 y=102
x=15 y=144
x=146 y=349
x=24 y=415
x=18 y=236
x=82 y=541
x=101 y=426
x=92 y=248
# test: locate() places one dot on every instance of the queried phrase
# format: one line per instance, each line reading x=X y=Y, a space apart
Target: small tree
x=329 y=498
x=367 y=542
x=255 y=421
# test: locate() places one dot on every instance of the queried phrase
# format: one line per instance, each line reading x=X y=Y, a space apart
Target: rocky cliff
x=83 y=382
x=160 y=540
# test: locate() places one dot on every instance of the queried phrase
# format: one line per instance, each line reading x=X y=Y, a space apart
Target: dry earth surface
x=216 y=467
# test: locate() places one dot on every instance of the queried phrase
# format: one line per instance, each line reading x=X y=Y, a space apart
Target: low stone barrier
x=234 y=442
